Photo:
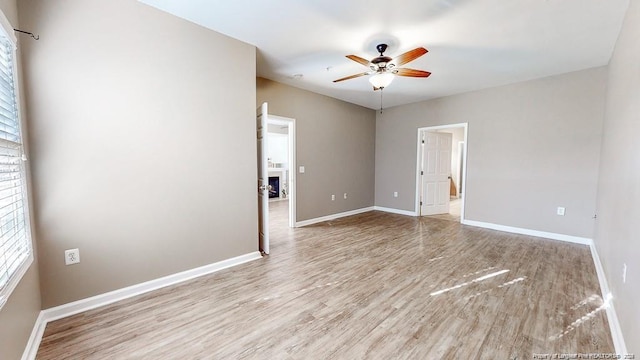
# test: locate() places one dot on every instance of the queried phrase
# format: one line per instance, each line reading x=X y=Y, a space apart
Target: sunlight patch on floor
x=481 y=278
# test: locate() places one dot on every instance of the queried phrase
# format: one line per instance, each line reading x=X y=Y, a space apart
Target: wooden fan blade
x=412 y=73
x=359 y=60
x=351 y=77
x=409 y=56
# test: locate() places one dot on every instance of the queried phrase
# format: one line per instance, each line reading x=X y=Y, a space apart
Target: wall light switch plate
x=395 y=194
x=301 y=170
x=560 y=211
x=345 y=195
x=333 y=197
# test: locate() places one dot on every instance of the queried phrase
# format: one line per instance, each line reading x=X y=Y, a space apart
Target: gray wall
x=335 y=143
x=617 y=233
x=19 y=314
x=532 y=146
x=137 y=120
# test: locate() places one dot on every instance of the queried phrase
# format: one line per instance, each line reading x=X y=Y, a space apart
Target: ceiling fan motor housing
x=381 y=63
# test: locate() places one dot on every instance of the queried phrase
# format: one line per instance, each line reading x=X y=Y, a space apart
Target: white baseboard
x=614 y=325
x=395 y=211
x=333 y=216
x=542 y=234
x=33 y=344
x=93 y=302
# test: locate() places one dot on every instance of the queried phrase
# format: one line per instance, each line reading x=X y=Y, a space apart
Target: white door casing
x=263 y=179
x=435 y=173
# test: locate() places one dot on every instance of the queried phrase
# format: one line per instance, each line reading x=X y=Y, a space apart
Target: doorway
x=441 y=171
x=280 y=155
x=264 y=166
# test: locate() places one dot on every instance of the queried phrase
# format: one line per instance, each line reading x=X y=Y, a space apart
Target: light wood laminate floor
x=370 y=286
x=455 y=209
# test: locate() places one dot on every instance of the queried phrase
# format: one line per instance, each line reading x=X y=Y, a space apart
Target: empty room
x=440 y=179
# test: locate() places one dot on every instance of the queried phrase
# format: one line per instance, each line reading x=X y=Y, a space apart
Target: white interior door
x=435 y=173
x=263 y=180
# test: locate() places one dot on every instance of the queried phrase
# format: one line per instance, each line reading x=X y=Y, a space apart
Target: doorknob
x=262 y=187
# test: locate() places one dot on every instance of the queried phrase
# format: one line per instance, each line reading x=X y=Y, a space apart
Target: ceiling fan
x=384 y=68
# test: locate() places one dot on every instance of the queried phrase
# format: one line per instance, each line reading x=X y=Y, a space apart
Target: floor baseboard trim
x=523 y=231
x=72 y=308
x=333 y=216
x=395 y=211
x=612 y=316
x=33 y=344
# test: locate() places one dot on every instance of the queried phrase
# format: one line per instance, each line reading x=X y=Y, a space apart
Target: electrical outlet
x=345 y=196
x=395 y=194
x=71 y=256
x=560 y=211
x=333 y=198
x=624 y=273
x=301 y=169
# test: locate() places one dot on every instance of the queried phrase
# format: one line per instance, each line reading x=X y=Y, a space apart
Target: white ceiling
x=473 y=44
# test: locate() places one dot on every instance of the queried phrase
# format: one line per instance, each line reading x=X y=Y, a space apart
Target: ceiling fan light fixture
x=383 y=68
x=381 y=80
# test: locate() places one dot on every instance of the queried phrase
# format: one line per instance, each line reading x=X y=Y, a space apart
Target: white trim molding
x=33 y=344
x=537 y=233
x=333 y=216
x=607 y=297
x=395 y=211
x=93 y=302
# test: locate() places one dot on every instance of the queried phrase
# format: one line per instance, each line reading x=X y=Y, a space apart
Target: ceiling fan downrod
x=381 y=48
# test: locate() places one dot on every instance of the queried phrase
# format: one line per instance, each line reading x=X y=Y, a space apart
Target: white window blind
x=15 y=239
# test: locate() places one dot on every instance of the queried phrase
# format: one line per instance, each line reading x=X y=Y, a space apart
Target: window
x=16 y=253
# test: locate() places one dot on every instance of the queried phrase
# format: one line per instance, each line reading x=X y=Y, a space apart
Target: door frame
x=262 y=115
x=419 y=162
x=292 y=179
x=461 y=164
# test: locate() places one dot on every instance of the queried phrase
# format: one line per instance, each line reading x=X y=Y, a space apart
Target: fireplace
x=274 y=186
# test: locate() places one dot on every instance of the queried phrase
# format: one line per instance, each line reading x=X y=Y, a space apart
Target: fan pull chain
x=381 y=90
